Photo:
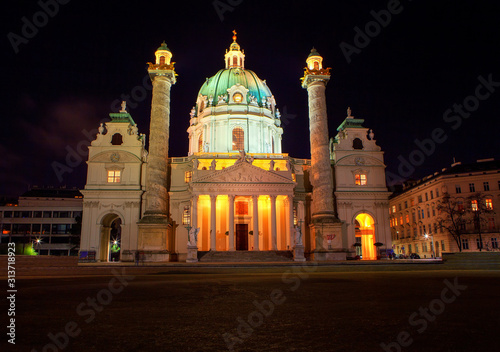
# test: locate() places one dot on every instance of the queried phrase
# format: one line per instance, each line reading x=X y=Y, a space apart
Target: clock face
x=359 y=161
x=115 y=157
x=237 y=98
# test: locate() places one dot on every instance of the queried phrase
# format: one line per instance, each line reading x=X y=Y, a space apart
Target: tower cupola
x=314 y=60
x=235 y=57
x=163 y=55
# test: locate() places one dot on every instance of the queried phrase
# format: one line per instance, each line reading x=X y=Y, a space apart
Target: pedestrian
x=137 y=256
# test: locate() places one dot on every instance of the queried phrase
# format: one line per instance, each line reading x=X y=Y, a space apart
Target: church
x=235 y=193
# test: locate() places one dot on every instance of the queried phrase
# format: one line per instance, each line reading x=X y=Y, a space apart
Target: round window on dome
x=237 y=98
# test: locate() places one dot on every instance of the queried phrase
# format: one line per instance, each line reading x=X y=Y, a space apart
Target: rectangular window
x=474 y=205
x=489 y=203
x=465 y=243
x=491 y=224
x=424 y=247
x=423 y=215
x=426 y=197
x=186 y=216
x=433 y=211
x=443 y=248
x=37 y=214
x=36 y=228
x=188 y=176
x=486 y=186
x=401 y=219
x=420 y=199
x=415 y=232
x=472 y=188
x=114 y=176
x=406 y=204
x=494 y=243
x=437 y=192
x=409 y=248
x=7 y=214
x=413 y=217
x=416 y=248
x=432 y=194
x=45 y=229
x=479 y=243
x=47 y=214
x=458 y=189
x=361 y=179
x=407 y=218
x=393 y=209
x=412 y=202
x=6 y=229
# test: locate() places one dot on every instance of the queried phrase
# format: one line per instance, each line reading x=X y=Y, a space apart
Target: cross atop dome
x=235 y=57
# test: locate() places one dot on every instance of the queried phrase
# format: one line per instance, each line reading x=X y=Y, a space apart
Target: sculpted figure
x=298 y=236
x=193 y=236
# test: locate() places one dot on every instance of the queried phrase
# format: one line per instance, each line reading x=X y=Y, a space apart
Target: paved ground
x=429 y=307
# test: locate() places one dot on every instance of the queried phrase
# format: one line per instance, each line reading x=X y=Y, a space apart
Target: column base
x=328 y=255
x=192 y=254
x=153 y=239
x=327 y=236
x=298 y=253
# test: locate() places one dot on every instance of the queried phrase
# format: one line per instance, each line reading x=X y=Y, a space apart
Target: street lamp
x=432 y=243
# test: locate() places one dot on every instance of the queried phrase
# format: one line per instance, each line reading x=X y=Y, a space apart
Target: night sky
x=70 y=74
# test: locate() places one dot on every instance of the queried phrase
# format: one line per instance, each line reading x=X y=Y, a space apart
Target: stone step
x=476 y=257
x=245 y=256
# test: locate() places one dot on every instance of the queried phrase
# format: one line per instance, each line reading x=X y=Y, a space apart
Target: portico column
x=213 y=227
x=255 y=220
x=274 y=242
x=194 y=211
x=291 y=227
x=231 y=222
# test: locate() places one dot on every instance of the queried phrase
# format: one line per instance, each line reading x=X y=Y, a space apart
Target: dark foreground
x=260 y=309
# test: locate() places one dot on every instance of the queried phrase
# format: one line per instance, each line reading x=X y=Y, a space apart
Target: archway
x=365 y=231
x=110 y=246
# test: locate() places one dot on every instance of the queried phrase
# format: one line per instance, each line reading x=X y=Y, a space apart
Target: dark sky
x=68 y=75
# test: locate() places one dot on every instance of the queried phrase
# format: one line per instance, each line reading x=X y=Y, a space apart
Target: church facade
x=235 y=190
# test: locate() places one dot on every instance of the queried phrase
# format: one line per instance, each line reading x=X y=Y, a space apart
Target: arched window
x=316 y=65
x=357 y=143
x=235 y=60
x=238 y=139
x=117 y=139
x=202 y=106
x=162 y=60
x=200 y=143
x=186 y=216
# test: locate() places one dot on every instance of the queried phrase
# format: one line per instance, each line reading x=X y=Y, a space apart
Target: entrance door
x=241 y=237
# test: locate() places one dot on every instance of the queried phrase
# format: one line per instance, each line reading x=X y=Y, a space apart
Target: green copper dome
x=163 y=47
x=224 y=79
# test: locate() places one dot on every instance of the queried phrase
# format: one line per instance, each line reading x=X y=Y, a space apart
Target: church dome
x=219 y=84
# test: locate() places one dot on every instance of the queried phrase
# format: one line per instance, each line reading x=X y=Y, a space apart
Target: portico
x=255 y=213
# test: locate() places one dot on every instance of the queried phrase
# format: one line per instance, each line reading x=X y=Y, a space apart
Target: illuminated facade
x=414 y=213
x=235 y=184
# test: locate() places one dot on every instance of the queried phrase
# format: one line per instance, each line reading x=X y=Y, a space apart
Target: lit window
x=186 y=216
x=188 y=176
x=393 y=208
x=114 y=176
x=407 y=218
x=401 y=219
x=241 y=208
x=361 y=181
x=489 y=204
x=474 y=205
x=295 y=217
x=237 y=98
x=238 y=139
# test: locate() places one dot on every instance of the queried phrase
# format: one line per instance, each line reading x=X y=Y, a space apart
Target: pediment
x=115 y=156
x=359 y=160
x=244 y=172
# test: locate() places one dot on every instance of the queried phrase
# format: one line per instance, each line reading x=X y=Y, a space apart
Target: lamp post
x=432 y=243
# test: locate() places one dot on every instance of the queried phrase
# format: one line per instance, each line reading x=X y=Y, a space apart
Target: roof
x=163 y=46
x=224 y=79
x=351 y=123
x=52 y=193
x=121 y=117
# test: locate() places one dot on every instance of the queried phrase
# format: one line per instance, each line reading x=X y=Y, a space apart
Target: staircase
x=245 y=256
